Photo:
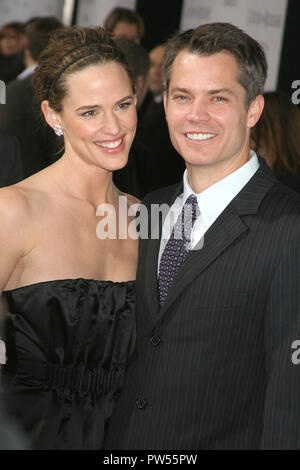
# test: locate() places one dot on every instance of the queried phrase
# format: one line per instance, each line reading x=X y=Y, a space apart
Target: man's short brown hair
x=211 y=38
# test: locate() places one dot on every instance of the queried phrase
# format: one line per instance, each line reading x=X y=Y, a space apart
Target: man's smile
x=199 y=136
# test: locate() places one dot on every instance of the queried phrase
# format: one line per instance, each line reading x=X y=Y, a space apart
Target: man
x=21 y=116
x=11 y=168
x=139 y=63
x=165 y=165
x=125 y=23
x=215 y=366
x=11 y=437
x=154 y=97
x=133 y=178
x=155 y=73
x=11 y=50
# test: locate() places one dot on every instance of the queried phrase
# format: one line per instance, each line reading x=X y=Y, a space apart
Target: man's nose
x=198 y=112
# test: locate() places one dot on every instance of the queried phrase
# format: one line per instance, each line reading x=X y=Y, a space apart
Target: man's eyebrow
x=210 y=92
x=178 y=89
x=220 y=90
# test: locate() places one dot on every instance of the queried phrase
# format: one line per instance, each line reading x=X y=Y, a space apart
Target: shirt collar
x=213 y=200
x=28 y=71
x=231 y=181
x=158 y=98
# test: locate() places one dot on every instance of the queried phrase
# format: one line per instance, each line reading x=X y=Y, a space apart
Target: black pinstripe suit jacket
x=214 y=366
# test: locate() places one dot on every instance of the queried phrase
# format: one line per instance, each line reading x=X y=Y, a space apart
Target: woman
x=276 y=138
x=69 y=291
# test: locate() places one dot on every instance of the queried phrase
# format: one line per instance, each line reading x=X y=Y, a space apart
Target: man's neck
x=202 y=177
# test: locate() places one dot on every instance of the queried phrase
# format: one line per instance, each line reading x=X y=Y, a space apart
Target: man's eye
x=180 y=98
x=220 y=99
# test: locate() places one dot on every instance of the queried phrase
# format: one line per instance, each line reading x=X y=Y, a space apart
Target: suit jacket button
x=155 y=340
x=140 y=403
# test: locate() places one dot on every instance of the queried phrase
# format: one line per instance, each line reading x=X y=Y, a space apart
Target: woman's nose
x=111 y=124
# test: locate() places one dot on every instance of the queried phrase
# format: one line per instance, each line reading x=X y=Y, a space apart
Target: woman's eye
x=125 y=105
x=89 y=113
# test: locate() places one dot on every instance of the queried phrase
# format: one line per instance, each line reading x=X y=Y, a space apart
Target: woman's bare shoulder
x=14 y=201
x=20 y=199
x=14 y=229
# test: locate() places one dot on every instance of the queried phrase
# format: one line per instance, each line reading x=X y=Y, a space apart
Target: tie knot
x=192 y=199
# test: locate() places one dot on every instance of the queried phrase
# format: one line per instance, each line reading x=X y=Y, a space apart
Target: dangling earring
x=58 y=130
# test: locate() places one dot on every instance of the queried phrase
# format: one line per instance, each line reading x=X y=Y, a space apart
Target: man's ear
x=255 y=109
x=51 y=116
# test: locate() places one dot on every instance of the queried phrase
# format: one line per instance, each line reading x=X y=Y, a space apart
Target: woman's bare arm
x=14 y=215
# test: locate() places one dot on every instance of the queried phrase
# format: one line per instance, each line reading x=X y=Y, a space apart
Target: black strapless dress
x=68 y=344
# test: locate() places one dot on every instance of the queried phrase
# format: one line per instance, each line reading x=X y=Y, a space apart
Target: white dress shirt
x=2 y=352
x=211 y=202
x=158 y=98
x=26 y=72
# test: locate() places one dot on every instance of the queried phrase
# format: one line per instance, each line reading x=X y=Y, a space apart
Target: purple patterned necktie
x=177 y=246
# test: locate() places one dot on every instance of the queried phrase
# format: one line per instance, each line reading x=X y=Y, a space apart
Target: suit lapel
x=218 y=238
x=150 y=253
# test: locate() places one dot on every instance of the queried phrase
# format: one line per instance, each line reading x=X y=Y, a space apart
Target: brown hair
x=71 y=50
x=276 y=136
x=126 y=15
x=17 y=26
x=211 y=38
x=136 y=56
x=38 y=32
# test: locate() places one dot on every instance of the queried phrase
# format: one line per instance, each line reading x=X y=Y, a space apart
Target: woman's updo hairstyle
x=71 y=50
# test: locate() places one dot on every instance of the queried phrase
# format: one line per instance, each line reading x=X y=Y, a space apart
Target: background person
x=11 y=167
x=276 y=138
x=139 y=63
x=134 y=177
x=125 y=23
x=21 y=115
x=12 y=42
x=156 y=87
x=11 y=437
x=164 y=165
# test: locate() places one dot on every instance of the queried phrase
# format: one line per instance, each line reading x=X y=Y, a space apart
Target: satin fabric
x=68 y=344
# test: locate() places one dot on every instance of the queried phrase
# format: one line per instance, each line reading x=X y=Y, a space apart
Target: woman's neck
x=86 y=181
